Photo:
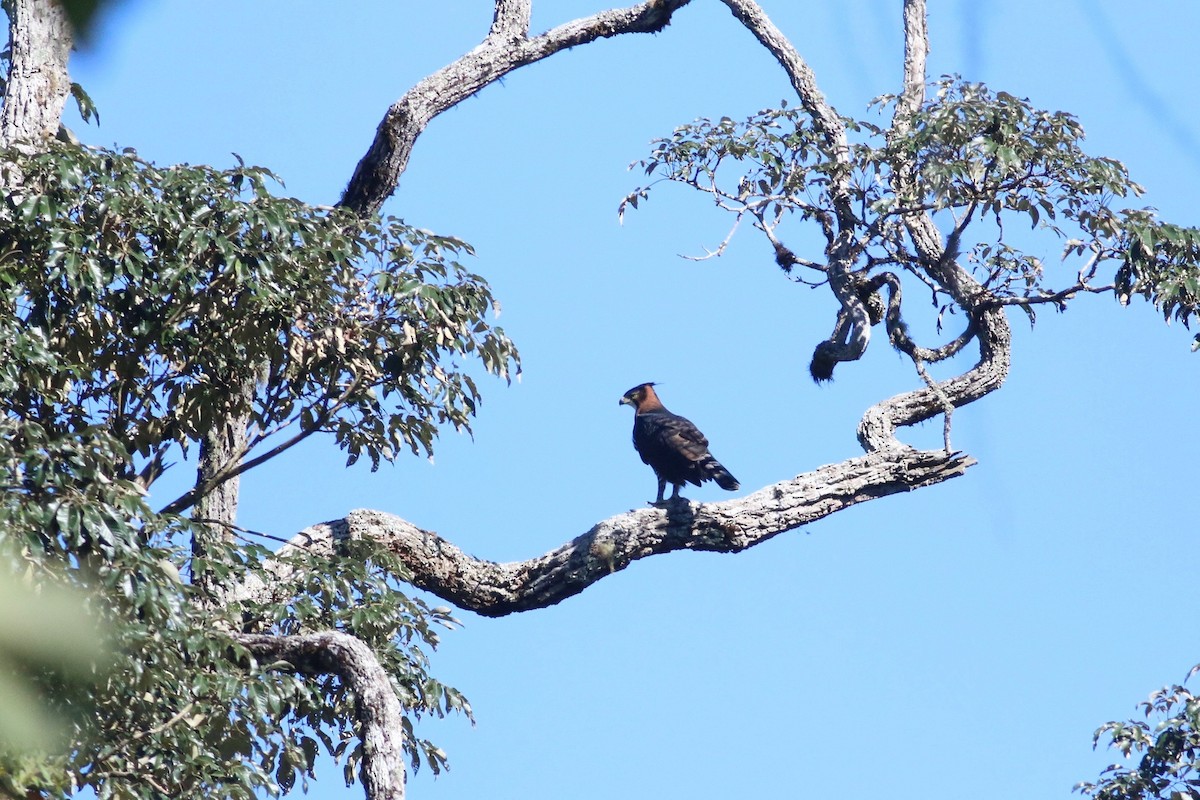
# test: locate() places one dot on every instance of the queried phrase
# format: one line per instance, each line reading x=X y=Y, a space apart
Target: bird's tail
x=715 y=471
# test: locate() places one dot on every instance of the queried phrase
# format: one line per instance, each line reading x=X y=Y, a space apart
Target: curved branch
x=852 y=333
x=876 y=430
x=898 y=331
x=825 y=119
x=849 y=340
x=494 y=589
x=505 y=48
x=376 y=706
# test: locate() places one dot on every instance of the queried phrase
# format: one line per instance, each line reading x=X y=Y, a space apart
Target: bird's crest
x=642 y=397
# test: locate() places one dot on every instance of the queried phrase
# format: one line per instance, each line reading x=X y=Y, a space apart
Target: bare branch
x=850 y=337
x=784 y=255
x=916 y=52
x=852 y=332
x=1088 y=270
x=505 y=48
x=940 y=394
x=724 y=243
x=1057 y=298
x=376 y=707
x=511 y=19
x=898 y=332
x=804 y=82
x=495 y=589
x=877 y=428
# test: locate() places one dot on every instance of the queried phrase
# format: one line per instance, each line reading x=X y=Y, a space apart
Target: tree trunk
x=38 y=82
x=217 y=507
x=221 y=451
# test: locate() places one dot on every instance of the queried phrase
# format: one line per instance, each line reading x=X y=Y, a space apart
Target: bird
x=673 y=447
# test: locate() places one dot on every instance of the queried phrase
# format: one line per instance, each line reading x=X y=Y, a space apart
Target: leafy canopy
x=137 y=304
x=162 y=291
x=1169 y=768
x=981 y=160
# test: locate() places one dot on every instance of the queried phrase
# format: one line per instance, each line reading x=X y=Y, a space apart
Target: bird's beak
x=624 y=401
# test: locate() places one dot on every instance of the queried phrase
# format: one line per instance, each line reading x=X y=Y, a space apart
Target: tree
x=1171 y=747
x=291 y=361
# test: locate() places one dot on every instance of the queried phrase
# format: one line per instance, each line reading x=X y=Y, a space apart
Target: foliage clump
x=1169 y=768
x=978 y=162
x=140 y=309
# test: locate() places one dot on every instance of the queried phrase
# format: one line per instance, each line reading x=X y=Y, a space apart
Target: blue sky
x=966 y=638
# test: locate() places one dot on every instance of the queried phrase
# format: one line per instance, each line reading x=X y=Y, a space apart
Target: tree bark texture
x=878 y=425
x=217 y=486
x=506 y=47
x=38 y=83
x=493 y=589
x=377 y=709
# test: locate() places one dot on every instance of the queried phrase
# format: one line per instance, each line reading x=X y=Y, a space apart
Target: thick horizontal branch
x=495 y=589
x=376 y=707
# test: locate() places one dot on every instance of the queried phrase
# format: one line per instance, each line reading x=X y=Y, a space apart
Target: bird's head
x=640 y=397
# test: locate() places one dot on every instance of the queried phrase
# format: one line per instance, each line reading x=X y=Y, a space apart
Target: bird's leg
x=675 y=498
x=662 y=487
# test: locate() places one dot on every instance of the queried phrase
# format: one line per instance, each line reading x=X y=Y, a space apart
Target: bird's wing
x=681 y=436
x=665 y=436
